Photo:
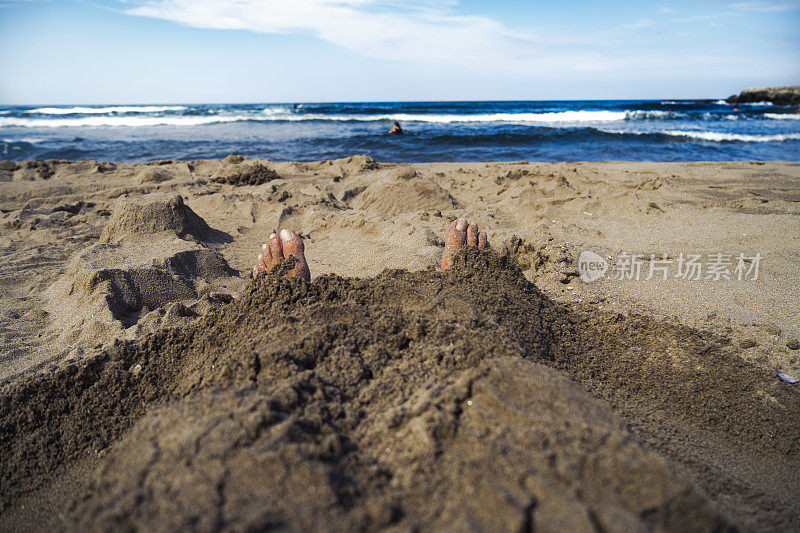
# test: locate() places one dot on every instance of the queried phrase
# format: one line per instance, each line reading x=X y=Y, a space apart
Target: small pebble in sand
x=785 y=376
x=135 y=369
x=793 y=344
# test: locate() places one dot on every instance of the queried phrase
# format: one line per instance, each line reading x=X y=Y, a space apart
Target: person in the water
x=396 y=130
x=288 y=243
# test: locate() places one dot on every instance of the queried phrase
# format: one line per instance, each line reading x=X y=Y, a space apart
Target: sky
x=239 y=51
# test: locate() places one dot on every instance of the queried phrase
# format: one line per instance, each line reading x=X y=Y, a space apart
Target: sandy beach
x=146 y=382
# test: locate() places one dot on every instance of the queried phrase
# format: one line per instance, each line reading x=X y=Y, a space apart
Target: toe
x=454 y=238
x=264 y=257
x=261 y=264
x=483 y=243
x=292 y=245
x=472 y=235
x=275 y=249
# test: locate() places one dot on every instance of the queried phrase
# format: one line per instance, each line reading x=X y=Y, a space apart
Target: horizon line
x=292 y=102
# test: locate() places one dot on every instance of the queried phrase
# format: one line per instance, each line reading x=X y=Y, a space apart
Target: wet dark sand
x=463 y=400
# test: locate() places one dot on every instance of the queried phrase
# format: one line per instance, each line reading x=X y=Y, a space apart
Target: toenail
x=271 y=235
x=287 y=235
x=461 y=225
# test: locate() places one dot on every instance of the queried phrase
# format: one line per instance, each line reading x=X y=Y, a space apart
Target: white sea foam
x=30 y=140
x=564 y=116
x=119 y=121
x=279 y=114
x=715 y=116
x=783 y=116
x=649 y=115
x=274 y=111
x=713 y=135
x=722 y=137
x=721 y=102
x=268 y=114
x=104 y=110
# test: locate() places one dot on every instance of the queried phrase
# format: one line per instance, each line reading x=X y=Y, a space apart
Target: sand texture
x=148 y=384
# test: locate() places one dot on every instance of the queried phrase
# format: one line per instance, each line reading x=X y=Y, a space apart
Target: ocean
x=592 y=130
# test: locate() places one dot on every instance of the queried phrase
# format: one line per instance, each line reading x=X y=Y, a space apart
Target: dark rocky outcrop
x=776 y=95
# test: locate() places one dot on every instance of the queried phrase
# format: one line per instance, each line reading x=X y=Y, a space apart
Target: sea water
x=591 y=130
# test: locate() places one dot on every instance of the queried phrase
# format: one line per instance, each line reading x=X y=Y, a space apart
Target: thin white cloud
x=666 y=10
x=432 y=32
x=426 y=31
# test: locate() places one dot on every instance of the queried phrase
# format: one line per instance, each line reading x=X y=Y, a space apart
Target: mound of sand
x=108 y=288
x=358 y=163
x=338 y=169
x=542 y=265
x=35 y=169
x=277 y=455
x=153 y=175
x=401 y=191
x=233 y=159
x=112 y=285
x=410 y=400
x=246 y=173
x=154 y=214
x=8 y=166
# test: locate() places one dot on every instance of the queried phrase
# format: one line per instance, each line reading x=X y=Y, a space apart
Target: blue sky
x=194 y=51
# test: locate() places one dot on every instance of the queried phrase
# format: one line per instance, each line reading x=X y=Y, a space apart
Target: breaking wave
x=740 y=137
x=712 y=135
x=104 y=110
x=783 y=116
x=281 y=114
x=130 y=121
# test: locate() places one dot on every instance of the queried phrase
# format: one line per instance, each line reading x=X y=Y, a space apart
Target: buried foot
x=461 y=233
x=280 y=247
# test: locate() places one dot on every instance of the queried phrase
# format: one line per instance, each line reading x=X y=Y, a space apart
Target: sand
x=148 y=383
